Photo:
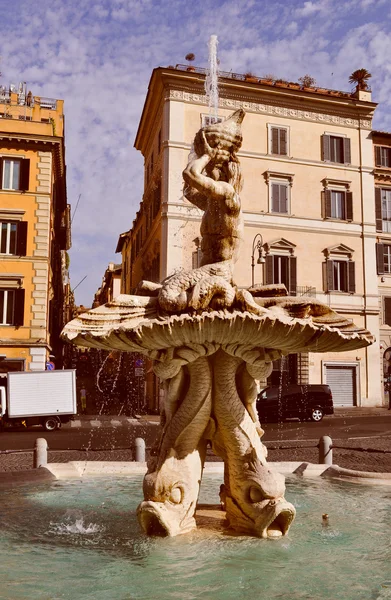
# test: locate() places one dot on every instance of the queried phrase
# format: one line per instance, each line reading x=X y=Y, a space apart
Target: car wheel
x=316 y=414
x=50 y=423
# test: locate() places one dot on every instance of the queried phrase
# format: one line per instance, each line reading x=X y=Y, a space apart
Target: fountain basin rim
x=98 y=469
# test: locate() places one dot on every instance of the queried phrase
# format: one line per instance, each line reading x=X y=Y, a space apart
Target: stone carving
x=210 y=343
x=271 y=109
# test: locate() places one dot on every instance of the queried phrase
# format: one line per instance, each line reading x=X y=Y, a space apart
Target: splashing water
x=77 y=527
x=211 y=81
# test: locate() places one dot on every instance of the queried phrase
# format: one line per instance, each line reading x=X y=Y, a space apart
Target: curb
x=101 y=421
x=112 y=422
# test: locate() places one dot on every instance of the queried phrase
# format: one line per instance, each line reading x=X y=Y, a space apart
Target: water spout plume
x=211 y=81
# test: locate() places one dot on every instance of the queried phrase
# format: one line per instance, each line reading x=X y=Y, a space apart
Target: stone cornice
x=277 y=108
x=382 y=176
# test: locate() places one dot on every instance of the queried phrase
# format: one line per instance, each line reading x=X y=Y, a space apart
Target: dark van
x=304 y=402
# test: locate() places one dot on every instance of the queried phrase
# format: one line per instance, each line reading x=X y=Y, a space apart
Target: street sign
x=138 y=372
x=139 y=362
x=50 y=366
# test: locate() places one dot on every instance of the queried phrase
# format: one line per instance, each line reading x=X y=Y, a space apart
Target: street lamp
x=257 y=245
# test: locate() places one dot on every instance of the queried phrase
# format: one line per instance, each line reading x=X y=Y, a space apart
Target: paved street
x=112 y=438
x=103 y=434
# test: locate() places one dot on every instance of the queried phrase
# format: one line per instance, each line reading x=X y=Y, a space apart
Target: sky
x=98 y=57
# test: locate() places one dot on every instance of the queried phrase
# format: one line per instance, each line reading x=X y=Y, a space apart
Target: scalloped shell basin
x=133 y=323
x=81 y=540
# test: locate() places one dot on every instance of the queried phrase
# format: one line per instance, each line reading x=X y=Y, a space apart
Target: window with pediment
x=281 y=264
x=339 y=270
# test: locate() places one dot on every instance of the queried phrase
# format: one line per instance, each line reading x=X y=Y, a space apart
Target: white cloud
x=309 y=8
x=99 y=56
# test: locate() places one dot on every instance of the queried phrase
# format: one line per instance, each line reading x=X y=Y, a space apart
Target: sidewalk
x=97 y=421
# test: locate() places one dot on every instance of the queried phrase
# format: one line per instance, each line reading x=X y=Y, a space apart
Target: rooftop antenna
x=81 y=281
x=211 y=80
x=74 y=212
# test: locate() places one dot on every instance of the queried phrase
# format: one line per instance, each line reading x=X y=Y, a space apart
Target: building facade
x=308 y=203
x=382 y=173
x=35 y=294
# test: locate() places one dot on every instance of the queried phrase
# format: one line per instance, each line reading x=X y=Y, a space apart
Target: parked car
x=304 y=402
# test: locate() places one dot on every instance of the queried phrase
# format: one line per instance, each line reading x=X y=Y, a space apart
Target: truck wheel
x=316 y=414
x=50 y=423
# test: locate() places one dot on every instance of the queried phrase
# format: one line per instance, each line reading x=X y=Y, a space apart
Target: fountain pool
x=81 y=539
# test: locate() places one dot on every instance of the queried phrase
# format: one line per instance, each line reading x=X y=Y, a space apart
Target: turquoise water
x=81 y=540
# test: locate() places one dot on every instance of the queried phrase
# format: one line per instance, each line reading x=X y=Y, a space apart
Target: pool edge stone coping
x=80 y=469
x=89 y=469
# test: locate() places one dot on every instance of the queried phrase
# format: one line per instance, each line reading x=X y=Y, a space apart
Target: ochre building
x=35 y=295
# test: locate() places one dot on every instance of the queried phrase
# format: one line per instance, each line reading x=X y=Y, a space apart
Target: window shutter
x=329 y=276
x=292 y=275
x=378 y=156
x=1 y=173
x=378 y=212
x=275 y=197
x=283 y=199
x=269 y=274
x=21 y=243
x=387 y=311
x=283 y=140
x=351 y=277
x=325 y=147
x=274 y=140
x=347 y=158
x=380 y=258
x=24 y=175
x=349 y=206
x=19 y=307
x=327 y=203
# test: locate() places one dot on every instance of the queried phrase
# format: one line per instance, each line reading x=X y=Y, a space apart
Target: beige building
x=382 y=159
x=308 y=203
x=111 y=285
x=35 y=294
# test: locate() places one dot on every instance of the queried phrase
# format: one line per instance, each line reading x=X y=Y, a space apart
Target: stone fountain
x=210 y=343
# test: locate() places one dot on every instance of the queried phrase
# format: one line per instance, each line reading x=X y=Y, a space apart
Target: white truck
x=46 y=398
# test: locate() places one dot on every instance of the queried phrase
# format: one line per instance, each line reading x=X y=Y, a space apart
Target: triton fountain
x=210 y=343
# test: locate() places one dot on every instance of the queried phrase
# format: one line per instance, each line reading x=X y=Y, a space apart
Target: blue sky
x=98 y=57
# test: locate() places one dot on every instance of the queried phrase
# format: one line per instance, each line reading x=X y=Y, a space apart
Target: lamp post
x=257 y=245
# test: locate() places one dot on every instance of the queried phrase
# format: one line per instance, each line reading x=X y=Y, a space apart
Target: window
x=383 y=256
x=196 y=256
x=337 y=204
x=207 y=120
x=278 y=140
x=387 y=310
x=336 y=149
x=382 y=156
x=11 y=174
x=281 y=269
x=279 y=197
x=279 y=191
x=13 y=237
x=383 y=209
x=14 y=173
x=340 y=276
x=11 y=306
